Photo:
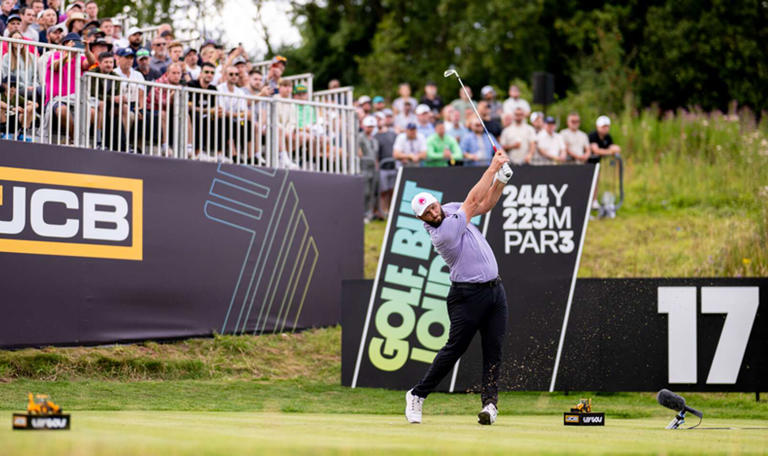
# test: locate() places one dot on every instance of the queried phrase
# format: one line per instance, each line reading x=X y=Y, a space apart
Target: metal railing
x=341 y=96
x=110 y=112
x=39 y=84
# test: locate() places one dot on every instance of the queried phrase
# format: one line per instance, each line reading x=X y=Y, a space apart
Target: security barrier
x=51 y=99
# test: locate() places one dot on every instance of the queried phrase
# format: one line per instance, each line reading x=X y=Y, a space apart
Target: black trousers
x=471 y=309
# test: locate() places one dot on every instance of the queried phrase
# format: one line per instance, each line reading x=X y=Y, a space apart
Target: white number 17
x=679 y=303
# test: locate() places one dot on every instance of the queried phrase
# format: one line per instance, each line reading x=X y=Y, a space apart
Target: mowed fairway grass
x=222 y=433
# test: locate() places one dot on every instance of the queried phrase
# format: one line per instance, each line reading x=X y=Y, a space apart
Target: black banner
x=682 y=334
x=637 y=335
x=99 y=247
x=535 y=231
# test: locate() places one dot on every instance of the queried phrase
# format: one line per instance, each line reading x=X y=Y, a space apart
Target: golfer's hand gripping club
x=504 y=173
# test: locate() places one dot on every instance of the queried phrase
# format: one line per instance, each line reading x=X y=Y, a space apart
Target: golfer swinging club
x=476 y=300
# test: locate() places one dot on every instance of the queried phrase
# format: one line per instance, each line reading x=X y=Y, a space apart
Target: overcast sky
x=238 y=19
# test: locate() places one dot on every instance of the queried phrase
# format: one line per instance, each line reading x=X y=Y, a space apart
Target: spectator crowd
x=38 y=84
x=431 y=132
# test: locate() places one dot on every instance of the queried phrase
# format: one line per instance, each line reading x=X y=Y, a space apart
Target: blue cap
x=411 y=126
x=72 y=36
x=549 y=120
x=12 y=17
x=124 y=52
x=378 y=99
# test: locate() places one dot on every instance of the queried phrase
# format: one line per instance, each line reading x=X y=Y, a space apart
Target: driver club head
x=449 y=72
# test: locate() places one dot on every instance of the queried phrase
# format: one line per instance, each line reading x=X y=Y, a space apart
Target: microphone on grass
x=676 y=402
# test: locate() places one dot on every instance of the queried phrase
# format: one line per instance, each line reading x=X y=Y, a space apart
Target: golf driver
x=451 y=72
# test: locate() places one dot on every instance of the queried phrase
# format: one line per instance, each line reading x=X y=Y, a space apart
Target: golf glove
x=504 y=173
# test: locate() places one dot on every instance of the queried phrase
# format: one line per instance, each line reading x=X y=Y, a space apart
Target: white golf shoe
x=487 y=415
x=413 y=407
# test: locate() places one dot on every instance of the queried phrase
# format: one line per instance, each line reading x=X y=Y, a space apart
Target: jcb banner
x=101 y=247
x=535 y=230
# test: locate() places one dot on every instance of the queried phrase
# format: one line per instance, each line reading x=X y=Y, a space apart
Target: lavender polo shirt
x=463 y=247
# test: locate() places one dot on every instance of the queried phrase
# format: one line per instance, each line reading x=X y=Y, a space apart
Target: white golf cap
x=486 y=90
x=602 y=121
x=535 y=115
x=369 y=121
x=421 y=202
x=422 y=109
x=364 y=99
x=134 y=30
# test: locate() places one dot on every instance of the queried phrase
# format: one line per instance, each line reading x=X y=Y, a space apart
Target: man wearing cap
x=276 y=70
x=442 y=149
x=368 y=151
x=476 y=300
x=61 y=81
x=488 y=94
x=378 y=104
x=143 y=65
x=364 y=103
x=133 y=96
x=135 y=40
x=550 y=148
x=424 y=120
x=45 y=20
x=386 y=137
x=601 y=142
x=410 y=148
x=431 y=98
x=13 y=24
x=191 y=68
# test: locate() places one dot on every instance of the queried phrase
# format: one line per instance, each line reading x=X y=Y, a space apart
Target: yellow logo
x=70 y=214
x=572 y=418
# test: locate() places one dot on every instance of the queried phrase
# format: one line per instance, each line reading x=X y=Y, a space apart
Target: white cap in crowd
x=535 y=116
x=134 y=30
x=486 y=90
x=421 y=202
x=602 y=121
x=364 y=99
x=422 y=109
x=369 y=121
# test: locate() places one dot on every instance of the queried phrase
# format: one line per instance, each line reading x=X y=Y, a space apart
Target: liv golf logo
x=70 y=214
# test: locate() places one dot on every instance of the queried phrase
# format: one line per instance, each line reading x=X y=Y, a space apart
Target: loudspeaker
x=543 y=88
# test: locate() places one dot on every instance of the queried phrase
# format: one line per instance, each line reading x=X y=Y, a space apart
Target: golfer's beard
x=437 y=224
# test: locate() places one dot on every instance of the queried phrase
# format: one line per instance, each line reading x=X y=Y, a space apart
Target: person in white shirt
x=550 y=148
x=410 y=148
x=28 y=21
x=132 y=96
x=514 y=101
x=237 y=126
x=576 y=141
x=518 y=139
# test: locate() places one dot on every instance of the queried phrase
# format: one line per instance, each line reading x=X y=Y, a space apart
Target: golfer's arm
x=474 y=200
x=491 y=198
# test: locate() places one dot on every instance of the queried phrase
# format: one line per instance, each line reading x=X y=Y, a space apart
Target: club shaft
x=493 y=143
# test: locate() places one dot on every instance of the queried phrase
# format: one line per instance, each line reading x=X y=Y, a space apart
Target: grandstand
x=71 y=89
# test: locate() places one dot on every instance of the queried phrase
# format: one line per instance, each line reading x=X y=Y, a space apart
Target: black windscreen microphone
x=675 y=402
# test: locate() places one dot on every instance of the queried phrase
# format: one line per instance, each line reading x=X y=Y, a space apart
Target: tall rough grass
x=695 y=160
